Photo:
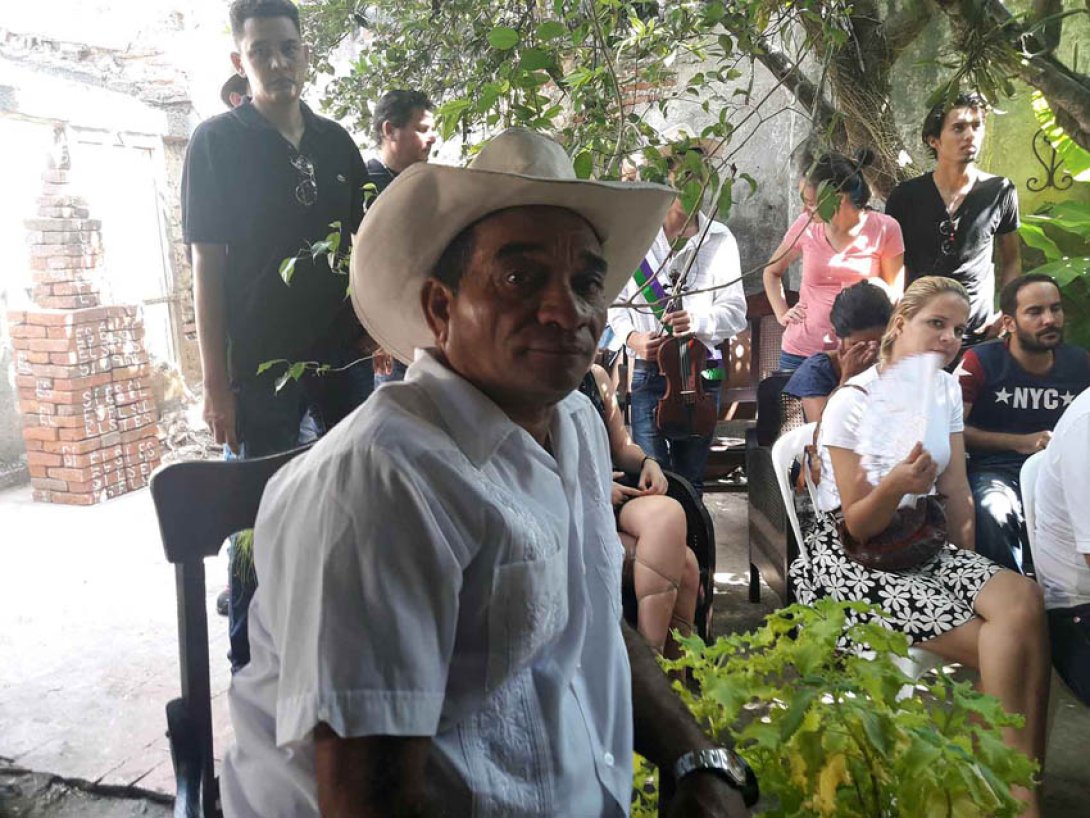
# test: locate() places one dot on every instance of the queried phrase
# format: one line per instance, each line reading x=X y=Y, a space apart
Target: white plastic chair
x=788 y=447
x=1027 y=478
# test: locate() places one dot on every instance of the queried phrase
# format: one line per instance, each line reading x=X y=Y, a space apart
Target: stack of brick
x=89 y=420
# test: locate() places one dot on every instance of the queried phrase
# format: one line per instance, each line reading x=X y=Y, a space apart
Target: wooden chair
x=200 y=504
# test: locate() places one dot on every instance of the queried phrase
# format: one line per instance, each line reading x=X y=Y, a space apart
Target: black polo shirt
x=240 y=188
x=989 y=209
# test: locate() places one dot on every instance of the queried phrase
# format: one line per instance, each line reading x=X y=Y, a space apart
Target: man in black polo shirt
x=404 y=129
x=954 y=218
x=1014 y=393
x=260 y=184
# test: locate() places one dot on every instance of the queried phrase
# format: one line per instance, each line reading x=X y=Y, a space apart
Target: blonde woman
x=957 y=604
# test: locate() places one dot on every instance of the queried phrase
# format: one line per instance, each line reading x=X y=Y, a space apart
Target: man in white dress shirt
x=1061 y=544
x=437 y=626
x=713 y=312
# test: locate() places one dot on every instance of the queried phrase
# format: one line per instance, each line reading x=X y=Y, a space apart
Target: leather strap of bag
x=810 y=468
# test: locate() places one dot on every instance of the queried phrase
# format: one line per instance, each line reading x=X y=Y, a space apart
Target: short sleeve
x=970 y=374
x=1008 y=219
x=207 y=213
x=815 y=378
x=893 y=243
x=363 y=619
x=795 y=237
x=841 y=418
x=956 y=405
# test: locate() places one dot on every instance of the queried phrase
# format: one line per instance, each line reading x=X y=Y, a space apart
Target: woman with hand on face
x=859 y=317
x=957 y=604
x=665 y=575
x=857 y=243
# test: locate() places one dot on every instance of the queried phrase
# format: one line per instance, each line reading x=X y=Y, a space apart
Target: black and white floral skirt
x=924 y=602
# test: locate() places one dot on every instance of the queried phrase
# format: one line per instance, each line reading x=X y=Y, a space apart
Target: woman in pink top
x=856 y=244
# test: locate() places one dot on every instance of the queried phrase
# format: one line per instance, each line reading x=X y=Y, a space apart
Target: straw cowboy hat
x=409 y=226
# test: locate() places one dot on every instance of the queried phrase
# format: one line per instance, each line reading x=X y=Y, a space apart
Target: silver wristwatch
x=730 y=766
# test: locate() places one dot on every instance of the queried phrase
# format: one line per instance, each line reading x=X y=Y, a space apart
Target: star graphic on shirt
x=1067 y=397
x=1003 y=396
x=961 y=371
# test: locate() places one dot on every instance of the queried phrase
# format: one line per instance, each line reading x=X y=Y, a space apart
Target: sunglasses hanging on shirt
x=306 y=192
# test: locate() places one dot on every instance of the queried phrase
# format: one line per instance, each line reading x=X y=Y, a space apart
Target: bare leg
x=1009 y=644
x=657 y=525
x=685 y=607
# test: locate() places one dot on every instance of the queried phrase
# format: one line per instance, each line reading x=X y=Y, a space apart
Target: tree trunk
x=1067 y=92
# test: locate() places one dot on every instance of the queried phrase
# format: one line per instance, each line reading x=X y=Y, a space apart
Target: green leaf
x=725 y=199
x=828 y=201
x=584 y=164
x=795 y=713
x=319 y=248
x=1036 y=238
x=1066 y=270
x=265 y=366
x=287 y=269
x=534 y=59
x=503 y=38
x=550 y=30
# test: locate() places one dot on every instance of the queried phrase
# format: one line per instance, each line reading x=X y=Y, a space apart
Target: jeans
x=686 y=457
x=270 y=422
x=1069 y=629
x=789 y=361
x=398 y=374
x=1000 y=524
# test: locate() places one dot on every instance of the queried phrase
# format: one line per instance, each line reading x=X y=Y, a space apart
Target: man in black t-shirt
x=404 y=129
x=954 y=218
x=261 y=183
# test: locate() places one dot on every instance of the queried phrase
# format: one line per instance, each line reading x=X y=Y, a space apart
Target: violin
x=685 y=409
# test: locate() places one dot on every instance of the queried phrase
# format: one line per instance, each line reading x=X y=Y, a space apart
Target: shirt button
x=608 y=759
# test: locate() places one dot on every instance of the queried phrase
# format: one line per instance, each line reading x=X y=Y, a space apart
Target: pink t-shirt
x=825 y=272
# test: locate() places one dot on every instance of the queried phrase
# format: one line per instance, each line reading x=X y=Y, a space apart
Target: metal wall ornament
x=1052 y=166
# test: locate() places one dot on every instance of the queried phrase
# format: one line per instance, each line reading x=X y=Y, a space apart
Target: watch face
x=736 y=767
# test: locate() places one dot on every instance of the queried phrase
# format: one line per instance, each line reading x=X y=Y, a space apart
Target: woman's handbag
x=913 y=536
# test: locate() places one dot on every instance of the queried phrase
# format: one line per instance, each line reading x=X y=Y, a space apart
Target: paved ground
x=88 y=657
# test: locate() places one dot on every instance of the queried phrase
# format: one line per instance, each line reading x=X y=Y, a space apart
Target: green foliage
x=243 y=560
x=828 y=733
x=1061 y=232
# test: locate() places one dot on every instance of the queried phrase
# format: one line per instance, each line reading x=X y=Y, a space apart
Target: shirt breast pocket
x=528 y=610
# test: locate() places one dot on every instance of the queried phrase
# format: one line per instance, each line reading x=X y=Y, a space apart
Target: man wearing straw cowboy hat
x=437 y=627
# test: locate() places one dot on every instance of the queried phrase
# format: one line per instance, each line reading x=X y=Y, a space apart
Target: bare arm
x=371 y=777
x=1010 y=257
x=954 y=485
x=626 y=455
x=773 y=277
x=813 y=407
x=665 y=730
x=209 y=274
x=868 y=509
x=981 y=440
x=892 y=273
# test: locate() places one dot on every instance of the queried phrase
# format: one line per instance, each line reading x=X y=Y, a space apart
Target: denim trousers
x=270 y=422
x=1000 y=524
x=686 y=457
x=397 y=374
x=789 y=361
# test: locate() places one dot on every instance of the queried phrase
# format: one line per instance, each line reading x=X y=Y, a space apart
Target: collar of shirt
x=475 y=423
x=250 y=116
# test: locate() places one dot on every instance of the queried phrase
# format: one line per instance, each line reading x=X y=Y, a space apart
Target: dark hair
x=236 y=84
x=243 y=10
x=802 y=157
x=1008 y=296
x=844 y=175
x=858 y=307
x=396 y=107
x=936 y=117
x=454 y=261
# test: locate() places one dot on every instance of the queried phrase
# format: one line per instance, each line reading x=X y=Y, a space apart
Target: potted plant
x=830 y=732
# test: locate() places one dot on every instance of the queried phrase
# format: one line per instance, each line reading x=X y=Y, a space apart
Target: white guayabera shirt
x=428 y=569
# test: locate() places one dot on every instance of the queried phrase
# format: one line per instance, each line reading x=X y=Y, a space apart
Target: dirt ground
x=25 y=794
